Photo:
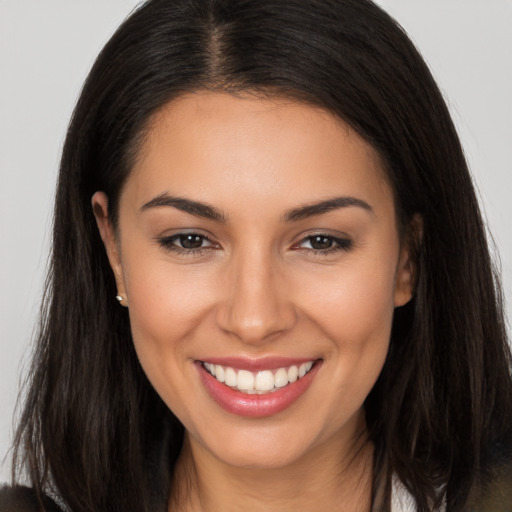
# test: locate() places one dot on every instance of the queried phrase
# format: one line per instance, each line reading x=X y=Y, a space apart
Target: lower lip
x=256 y=406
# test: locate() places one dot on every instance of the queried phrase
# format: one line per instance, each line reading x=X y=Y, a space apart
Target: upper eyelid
x=171 y=244
x=336 y=239
x=185 y=233
x=338 y=236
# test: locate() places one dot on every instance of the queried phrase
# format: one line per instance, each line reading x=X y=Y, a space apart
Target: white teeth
x=264 y=381
x=230 y=377
x=219 y=373
x=293 y=373
x=281 y=378
x=261 y=382
x=245 y=380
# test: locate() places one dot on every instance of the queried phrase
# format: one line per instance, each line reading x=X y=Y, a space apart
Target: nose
x=257 y=303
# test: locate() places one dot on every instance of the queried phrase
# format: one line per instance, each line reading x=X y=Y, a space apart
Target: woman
x=306 y=312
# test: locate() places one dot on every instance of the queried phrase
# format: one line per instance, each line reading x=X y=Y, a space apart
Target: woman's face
x=258 y=241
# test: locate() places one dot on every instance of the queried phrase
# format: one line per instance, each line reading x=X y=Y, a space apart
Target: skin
x=261 y=288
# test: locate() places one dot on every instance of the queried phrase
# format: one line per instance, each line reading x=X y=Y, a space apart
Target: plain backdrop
x=46 y=50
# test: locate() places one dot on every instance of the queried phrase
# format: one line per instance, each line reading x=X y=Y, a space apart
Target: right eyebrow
x=185 y=205
x=311 y=210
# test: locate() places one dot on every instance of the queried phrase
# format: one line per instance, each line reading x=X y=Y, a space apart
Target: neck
x=331 y=477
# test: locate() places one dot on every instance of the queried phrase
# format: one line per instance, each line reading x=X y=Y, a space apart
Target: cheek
x=166 y=301
x=167 y=306
x=354 y=310
x=355 y=303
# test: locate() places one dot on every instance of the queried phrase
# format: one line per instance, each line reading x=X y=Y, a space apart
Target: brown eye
x=191 y=241
x=187 y=243
x=320 y=242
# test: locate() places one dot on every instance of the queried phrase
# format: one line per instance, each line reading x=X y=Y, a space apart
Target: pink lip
x=255 y=406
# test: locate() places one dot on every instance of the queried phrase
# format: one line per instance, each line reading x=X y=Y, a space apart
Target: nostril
x=255 y=306
x=256 y=324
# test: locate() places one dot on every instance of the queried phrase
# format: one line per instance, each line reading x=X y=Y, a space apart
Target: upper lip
x=257 y=364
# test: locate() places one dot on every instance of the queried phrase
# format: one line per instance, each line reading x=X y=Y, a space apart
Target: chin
x=250 y=457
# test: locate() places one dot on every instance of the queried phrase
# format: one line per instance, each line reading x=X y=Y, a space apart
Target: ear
x=100 y=208
x=405 y=280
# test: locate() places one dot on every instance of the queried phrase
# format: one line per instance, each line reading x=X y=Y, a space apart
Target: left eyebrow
x=311 y=210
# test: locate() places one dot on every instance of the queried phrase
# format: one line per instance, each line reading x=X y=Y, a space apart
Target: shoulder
x=23 y=499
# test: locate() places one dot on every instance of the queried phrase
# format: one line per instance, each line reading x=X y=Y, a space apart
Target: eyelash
x=340 y=244
x=169 y=243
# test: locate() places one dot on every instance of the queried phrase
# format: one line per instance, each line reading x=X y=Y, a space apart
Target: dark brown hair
x=93 y=430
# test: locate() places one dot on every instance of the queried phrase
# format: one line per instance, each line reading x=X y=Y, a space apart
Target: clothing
x=23 y=499
x=401 y=500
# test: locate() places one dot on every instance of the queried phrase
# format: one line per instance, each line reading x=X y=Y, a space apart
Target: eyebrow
x=311 y=210
x=206 y=211
x=185 y=205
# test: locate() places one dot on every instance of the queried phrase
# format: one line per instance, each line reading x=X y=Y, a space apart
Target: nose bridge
x=257 y=303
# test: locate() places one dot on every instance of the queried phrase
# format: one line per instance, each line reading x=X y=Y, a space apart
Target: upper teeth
x=258 y=382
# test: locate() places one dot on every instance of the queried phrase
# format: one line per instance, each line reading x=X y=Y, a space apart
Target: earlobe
x=405 y=281
x=99 y=203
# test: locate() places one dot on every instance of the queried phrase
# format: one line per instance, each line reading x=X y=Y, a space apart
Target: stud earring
x=120 y=298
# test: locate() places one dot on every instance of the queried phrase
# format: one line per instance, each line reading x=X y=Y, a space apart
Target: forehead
x=249 y=148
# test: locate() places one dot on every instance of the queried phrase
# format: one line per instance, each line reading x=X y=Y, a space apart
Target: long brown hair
x=93 y=430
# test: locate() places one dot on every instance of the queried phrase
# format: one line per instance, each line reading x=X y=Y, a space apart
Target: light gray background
x=46 y=50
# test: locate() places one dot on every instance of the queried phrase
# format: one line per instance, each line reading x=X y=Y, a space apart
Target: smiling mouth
x=261 y=382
